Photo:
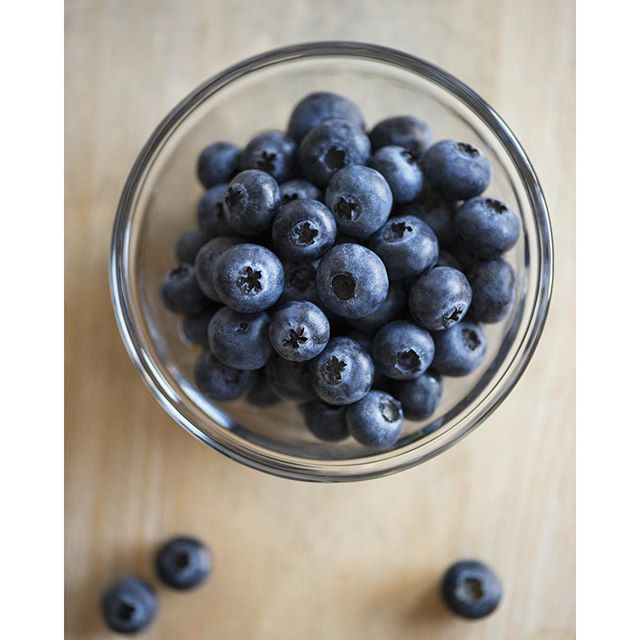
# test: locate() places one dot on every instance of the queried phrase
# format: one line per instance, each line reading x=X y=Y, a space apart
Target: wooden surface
x=296 y=560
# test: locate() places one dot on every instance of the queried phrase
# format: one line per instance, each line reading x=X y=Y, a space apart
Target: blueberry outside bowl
x=158 y=203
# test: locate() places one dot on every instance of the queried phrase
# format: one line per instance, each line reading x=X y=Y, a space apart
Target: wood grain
x=295 y=560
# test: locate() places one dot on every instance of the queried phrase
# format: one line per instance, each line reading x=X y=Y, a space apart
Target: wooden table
x=298 y=560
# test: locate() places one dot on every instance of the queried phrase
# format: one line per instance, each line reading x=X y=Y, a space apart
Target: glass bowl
x=158 y=203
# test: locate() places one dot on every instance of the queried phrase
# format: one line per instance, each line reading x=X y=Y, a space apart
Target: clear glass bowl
x=158 y=203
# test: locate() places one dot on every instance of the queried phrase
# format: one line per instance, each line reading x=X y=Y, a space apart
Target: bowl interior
x=163 y=205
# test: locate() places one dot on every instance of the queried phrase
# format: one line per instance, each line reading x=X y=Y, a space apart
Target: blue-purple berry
x=376 y=420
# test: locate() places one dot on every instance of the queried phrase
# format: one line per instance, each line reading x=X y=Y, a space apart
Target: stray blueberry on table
x=456 y=170
x=342 y=373
x=401 y=170
x=206 y=262
x=195 y=327
x=303 y=231
x=220 y=382
x=460 y=349
x=331 y=146
x=299 y=331
x=129 y=605
x=471 y=589
x=290 y=380
x=406 y=245
x=376 y=420
x=487 y=227
x=211 y=218
x=352 y=281
x=248 y=278
x=218 y=163
x=493 y=283
x=273 y=152
x=402 y=131
x=188 y=245
x=318 y=107
x=402 y=350
x=251 y=202
x=262 y=393
x=180 y=291
x=183 y=563
x=298 y=189
x=393 y=308
x=419 y=397
x=325 y=421
x=440 y=298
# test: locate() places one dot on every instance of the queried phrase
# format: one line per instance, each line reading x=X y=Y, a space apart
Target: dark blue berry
x=183 y=563
x=460 y=349
x=180 y=291
x=290 y=380
x=440 y=298
x=401 y=170
x=376 y=420
x=262 y=393
x=402 y=131
x=406 y=245
x=419 y=397
x=493 y=283
x=325 y=421
x=251 y=202
x=240 y=340
x=195 y=327
x=211 y=219
x=218 y=163
x=471 y=589
x=456 y=170
x=393 y=308
x=188 y=245
x=206 y=262
x=129 y=606
x=487 y=227
x=273 y=152
x=360 y=200
x=402 y=350
x=299 y=190
x=352 y=281
x=437 y=213
x=248 y=278
x=299 y=283
x=299 y=331
x=331 y=146
x=303 y=231
x=319 y=107
x=220 y=382
x=342 y=373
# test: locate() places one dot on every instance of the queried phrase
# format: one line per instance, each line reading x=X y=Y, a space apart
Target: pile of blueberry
x=342 y=270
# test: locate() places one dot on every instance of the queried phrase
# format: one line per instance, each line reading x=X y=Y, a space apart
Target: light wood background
x=298 y=560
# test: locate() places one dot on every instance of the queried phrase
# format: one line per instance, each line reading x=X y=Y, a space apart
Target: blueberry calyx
x=344 y=286
x=295 y=338
x=335 y=158
x=304 y=233
x=469 y=149
x=470 y=339
x=249 y=280
x=332 y=370
x=389 y=410
x=407 y=361
x=346 y=209
x=396 y=231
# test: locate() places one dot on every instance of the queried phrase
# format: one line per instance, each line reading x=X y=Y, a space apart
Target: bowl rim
x=354 y=468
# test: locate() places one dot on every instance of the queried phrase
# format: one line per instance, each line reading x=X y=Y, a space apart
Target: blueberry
x=220 y=382
x=188 y=245
x=299 y=283
x=129 y=605
x=493 y=283
x=438 y=214
x=303 y=231
x=406 y=245
x=195 y=327
x=360 y=199
x=211 y=218
x=447 y=259
x=248 y=278
x=460 y=349
x=290 y=380
x=331 y=146
x=419 y=397
x=392 y=308
x=299 y=190
x=319 y=107
x=273 y=152
x=180 y=291
x=352 y=281
x=240 y=340
x=440 y=298
x=218 y=163
x=183 y=563
x=487 y=227
x=206 y=262
x=262 y=393
x=456 y=170
x=402 y=350
x=402 y=131
x=401 y=170
x=471 y=589
x=299 y=331
x=376 y=420
x=342 y=373
x=251 y=202
x=325 y=421
x=365 y=340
